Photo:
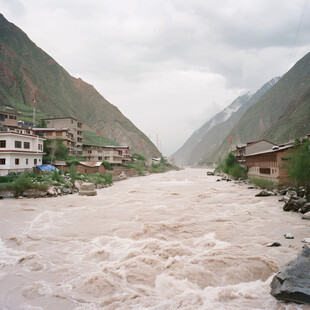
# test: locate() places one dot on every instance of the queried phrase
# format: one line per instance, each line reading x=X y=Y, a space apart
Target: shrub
x=107 y=165
x=73 y=173
x=138 y=156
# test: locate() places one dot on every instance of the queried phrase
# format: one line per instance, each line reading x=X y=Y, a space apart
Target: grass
x=265 y=184
x=91 y=137
x=97 y=178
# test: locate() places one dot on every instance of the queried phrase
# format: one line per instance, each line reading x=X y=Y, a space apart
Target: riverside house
x=69 y=129
x=19 y=152
x=251 y=148
x=269 y=164
x=111 y=154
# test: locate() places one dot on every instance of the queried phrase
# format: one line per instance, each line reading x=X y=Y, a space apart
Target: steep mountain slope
x=281 y=114
x=226 y=119
x=26 y=69
x=183 y=155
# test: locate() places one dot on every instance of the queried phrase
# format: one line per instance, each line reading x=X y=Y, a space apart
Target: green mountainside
x=281 y=114
x=26 y=69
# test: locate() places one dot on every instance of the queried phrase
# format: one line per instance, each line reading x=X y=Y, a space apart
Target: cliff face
x=26 y=69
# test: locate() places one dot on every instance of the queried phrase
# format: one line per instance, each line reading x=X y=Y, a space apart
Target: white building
x=19 y=152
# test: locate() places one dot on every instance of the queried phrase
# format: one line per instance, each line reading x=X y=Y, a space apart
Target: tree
x=55 y=149
x=299 y=168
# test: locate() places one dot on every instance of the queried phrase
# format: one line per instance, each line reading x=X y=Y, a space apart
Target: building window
x=100 y=158
x=40 y=147
x=18 y=144
x=2 y=161
x=26 y=161
x=16 y=161
x=2 y=143
x=35 y=161
x=264 y=170
x=26 y=145
x=11 y=117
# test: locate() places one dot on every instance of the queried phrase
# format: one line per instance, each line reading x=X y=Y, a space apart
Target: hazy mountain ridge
x=224 y=121
x=26 y=69
x=280 y=115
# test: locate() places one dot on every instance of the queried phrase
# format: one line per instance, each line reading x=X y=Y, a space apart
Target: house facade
x=269 y=165
x=111 y=154
x=251 y=148
x=126 y=159
x=19 y=152
x=83 y=167
x=71 y=133
x=8 y=118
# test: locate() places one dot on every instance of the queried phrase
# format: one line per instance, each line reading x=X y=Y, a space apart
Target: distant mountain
x=207 y=138
x=26 y=69
x=280 y=115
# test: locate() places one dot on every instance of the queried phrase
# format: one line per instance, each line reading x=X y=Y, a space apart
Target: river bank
x=178 y=240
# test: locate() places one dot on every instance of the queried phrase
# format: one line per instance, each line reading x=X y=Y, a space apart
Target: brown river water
x=178 y=240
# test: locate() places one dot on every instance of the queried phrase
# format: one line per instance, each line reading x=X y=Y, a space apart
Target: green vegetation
x=97 y=178
x=107 y=165
x=299 y=165
x=266 y=184
x=22 y=183
x=92 y=138
x=138 y=165
x=138 y=156
x=73 y=173
x=55 y=150
x=231 y=167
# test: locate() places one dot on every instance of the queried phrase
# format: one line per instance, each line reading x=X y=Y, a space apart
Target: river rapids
x=178 y=240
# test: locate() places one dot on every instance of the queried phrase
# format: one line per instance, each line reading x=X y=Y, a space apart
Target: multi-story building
x=8 y=118
x=111 y=154
x=126 y=154
x=69 y=129
x=19 y=152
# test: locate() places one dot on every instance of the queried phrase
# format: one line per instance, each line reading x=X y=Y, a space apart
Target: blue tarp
x=47 y=167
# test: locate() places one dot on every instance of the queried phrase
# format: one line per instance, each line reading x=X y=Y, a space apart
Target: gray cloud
x=186 y=58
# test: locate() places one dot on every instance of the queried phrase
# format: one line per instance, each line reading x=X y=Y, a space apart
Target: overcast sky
x=168 y=65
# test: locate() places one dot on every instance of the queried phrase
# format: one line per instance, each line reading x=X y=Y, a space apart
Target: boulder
x=264 y=193
x=122 y=175
x=51 y=191
x=292 y=282
x=291 y=193
x=305 y=208
x=210 y=173
x=34 y=193
x=289 y=236
x=292 y=205
x=7 y=194
x=306 y=216
x=77 y=184
x=67 y=190
x=87 y=189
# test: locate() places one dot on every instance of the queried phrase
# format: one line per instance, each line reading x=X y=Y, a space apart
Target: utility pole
x=34 y=108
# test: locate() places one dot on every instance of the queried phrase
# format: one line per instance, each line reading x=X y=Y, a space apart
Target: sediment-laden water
x=178 y=240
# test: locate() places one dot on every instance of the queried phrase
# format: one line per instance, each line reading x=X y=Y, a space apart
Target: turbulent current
x=178 y=240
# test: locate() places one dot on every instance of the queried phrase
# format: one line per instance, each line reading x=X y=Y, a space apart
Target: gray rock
x=289 y=236
x=291 y=205
x=291 y=193
x=274 y=244
x=7 y=194
x=264 y=193
x=66 y=190
x=210 y=173
x=87 y=189
x=305 y=208
x=34 y=193
x=292 y=282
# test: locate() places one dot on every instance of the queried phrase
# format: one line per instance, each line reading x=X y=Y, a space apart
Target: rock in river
x=292 y=283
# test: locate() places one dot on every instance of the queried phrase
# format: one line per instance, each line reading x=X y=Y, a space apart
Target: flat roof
x=270 y=151
x=50 y=129
x=67 y=117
